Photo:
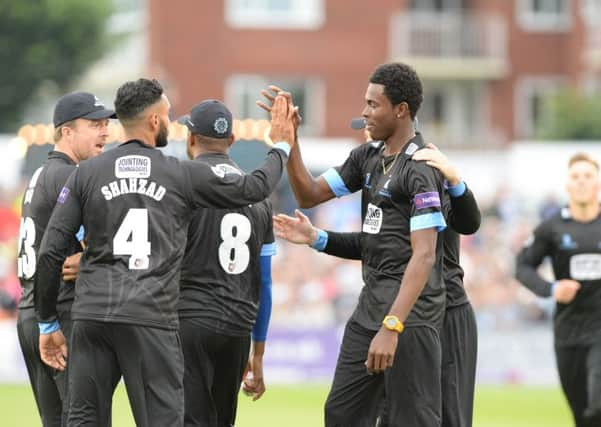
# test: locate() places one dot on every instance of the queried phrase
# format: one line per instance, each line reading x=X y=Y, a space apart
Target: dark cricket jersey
x=407 y=198
x=221 y=272
x=575 y=251
x=38 y=202
x=135 y=204
x=463 y=217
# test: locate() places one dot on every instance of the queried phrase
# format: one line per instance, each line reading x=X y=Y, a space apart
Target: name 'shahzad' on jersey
x=133 y=172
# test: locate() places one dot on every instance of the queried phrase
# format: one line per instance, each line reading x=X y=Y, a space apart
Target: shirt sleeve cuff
x=430 y=220
x=321 y=241
x=457 y=190
x=335 y=182
x=284 y=146
x=268 y=249
x=553 y=286
x=80 y=234
x=48 y=328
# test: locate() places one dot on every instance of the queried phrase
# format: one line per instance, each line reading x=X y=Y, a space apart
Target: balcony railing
x=467 y=39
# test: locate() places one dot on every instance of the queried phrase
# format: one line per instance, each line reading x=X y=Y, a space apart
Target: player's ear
x=401 y=110
x=154 y=121
x=231 y=140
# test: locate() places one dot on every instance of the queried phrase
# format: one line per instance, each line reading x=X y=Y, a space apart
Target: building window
x=242 y=91
x=531 y=96
x=275 y=14
x=544 y=15
x=436 y=5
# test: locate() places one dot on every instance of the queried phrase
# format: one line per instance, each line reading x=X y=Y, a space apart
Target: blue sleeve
x=262 y=323
x=80 y=234
x=48 y=327
x=430 y=220
x=457 y=190
x=268 y=249
x=322 y=240
x=334 y=180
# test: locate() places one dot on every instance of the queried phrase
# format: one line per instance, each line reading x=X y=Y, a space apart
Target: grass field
x=301 y=406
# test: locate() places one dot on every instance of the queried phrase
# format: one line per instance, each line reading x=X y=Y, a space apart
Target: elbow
x=306 y=203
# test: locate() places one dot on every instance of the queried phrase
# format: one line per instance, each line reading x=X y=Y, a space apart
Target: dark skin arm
x=308 y=190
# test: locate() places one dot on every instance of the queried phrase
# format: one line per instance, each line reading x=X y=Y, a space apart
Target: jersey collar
x=414 y=144
x=138 y=142
x=62 y=156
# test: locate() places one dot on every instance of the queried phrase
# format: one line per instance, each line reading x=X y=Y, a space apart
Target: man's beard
x=161 y=138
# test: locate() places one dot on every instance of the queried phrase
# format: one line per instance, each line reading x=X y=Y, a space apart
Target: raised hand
x=282 y=127
x=295 y=230
x=270 y=98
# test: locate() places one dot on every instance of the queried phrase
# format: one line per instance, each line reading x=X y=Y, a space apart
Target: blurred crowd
x=316 y=290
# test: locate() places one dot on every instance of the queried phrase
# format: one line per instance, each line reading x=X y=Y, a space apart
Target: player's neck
x=397 y=140
x=62 y=147
x=141 y=135
x=584 y=212
x=208 y=149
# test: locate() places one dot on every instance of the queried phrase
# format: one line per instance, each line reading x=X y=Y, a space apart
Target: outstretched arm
x=308 y=190
x=300 y=230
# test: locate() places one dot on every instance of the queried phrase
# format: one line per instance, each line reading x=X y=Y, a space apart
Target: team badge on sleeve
x=427 y=200
x=62 y=197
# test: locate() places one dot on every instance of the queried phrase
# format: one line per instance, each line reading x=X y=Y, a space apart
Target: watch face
x=391 y=323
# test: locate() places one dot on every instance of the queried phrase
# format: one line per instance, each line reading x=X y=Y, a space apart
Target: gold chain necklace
x=386 y=170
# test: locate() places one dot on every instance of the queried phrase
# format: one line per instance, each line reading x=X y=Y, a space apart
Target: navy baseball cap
x=209 y=118
x=80 y=105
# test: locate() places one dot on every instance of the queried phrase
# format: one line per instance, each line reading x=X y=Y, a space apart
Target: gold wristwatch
x=392 y=323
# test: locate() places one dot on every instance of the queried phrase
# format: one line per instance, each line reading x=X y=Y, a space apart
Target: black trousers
x=49 y=386
x=150 y=360
x=580 y=375
x=459 y=342
x=214 y=365
x=410 y=391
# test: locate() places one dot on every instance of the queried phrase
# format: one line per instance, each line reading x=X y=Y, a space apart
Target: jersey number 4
x=132 y=239
x=234 y=254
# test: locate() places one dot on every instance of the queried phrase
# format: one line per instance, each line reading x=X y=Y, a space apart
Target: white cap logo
x=220 y=125
x=97 y=102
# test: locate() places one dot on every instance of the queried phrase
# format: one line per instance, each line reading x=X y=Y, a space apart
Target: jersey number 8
x=234 y=254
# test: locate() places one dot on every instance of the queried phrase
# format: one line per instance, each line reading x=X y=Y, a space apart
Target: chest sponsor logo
x=223 y=169
x=567 y=242
x=373 y=219
x=132 y=167
x=427 y=200
x=62 y=197
x=585 y=267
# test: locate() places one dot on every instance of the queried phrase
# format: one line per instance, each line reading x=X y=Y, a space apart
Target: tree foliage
x=571 y=116
x=45 y=40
